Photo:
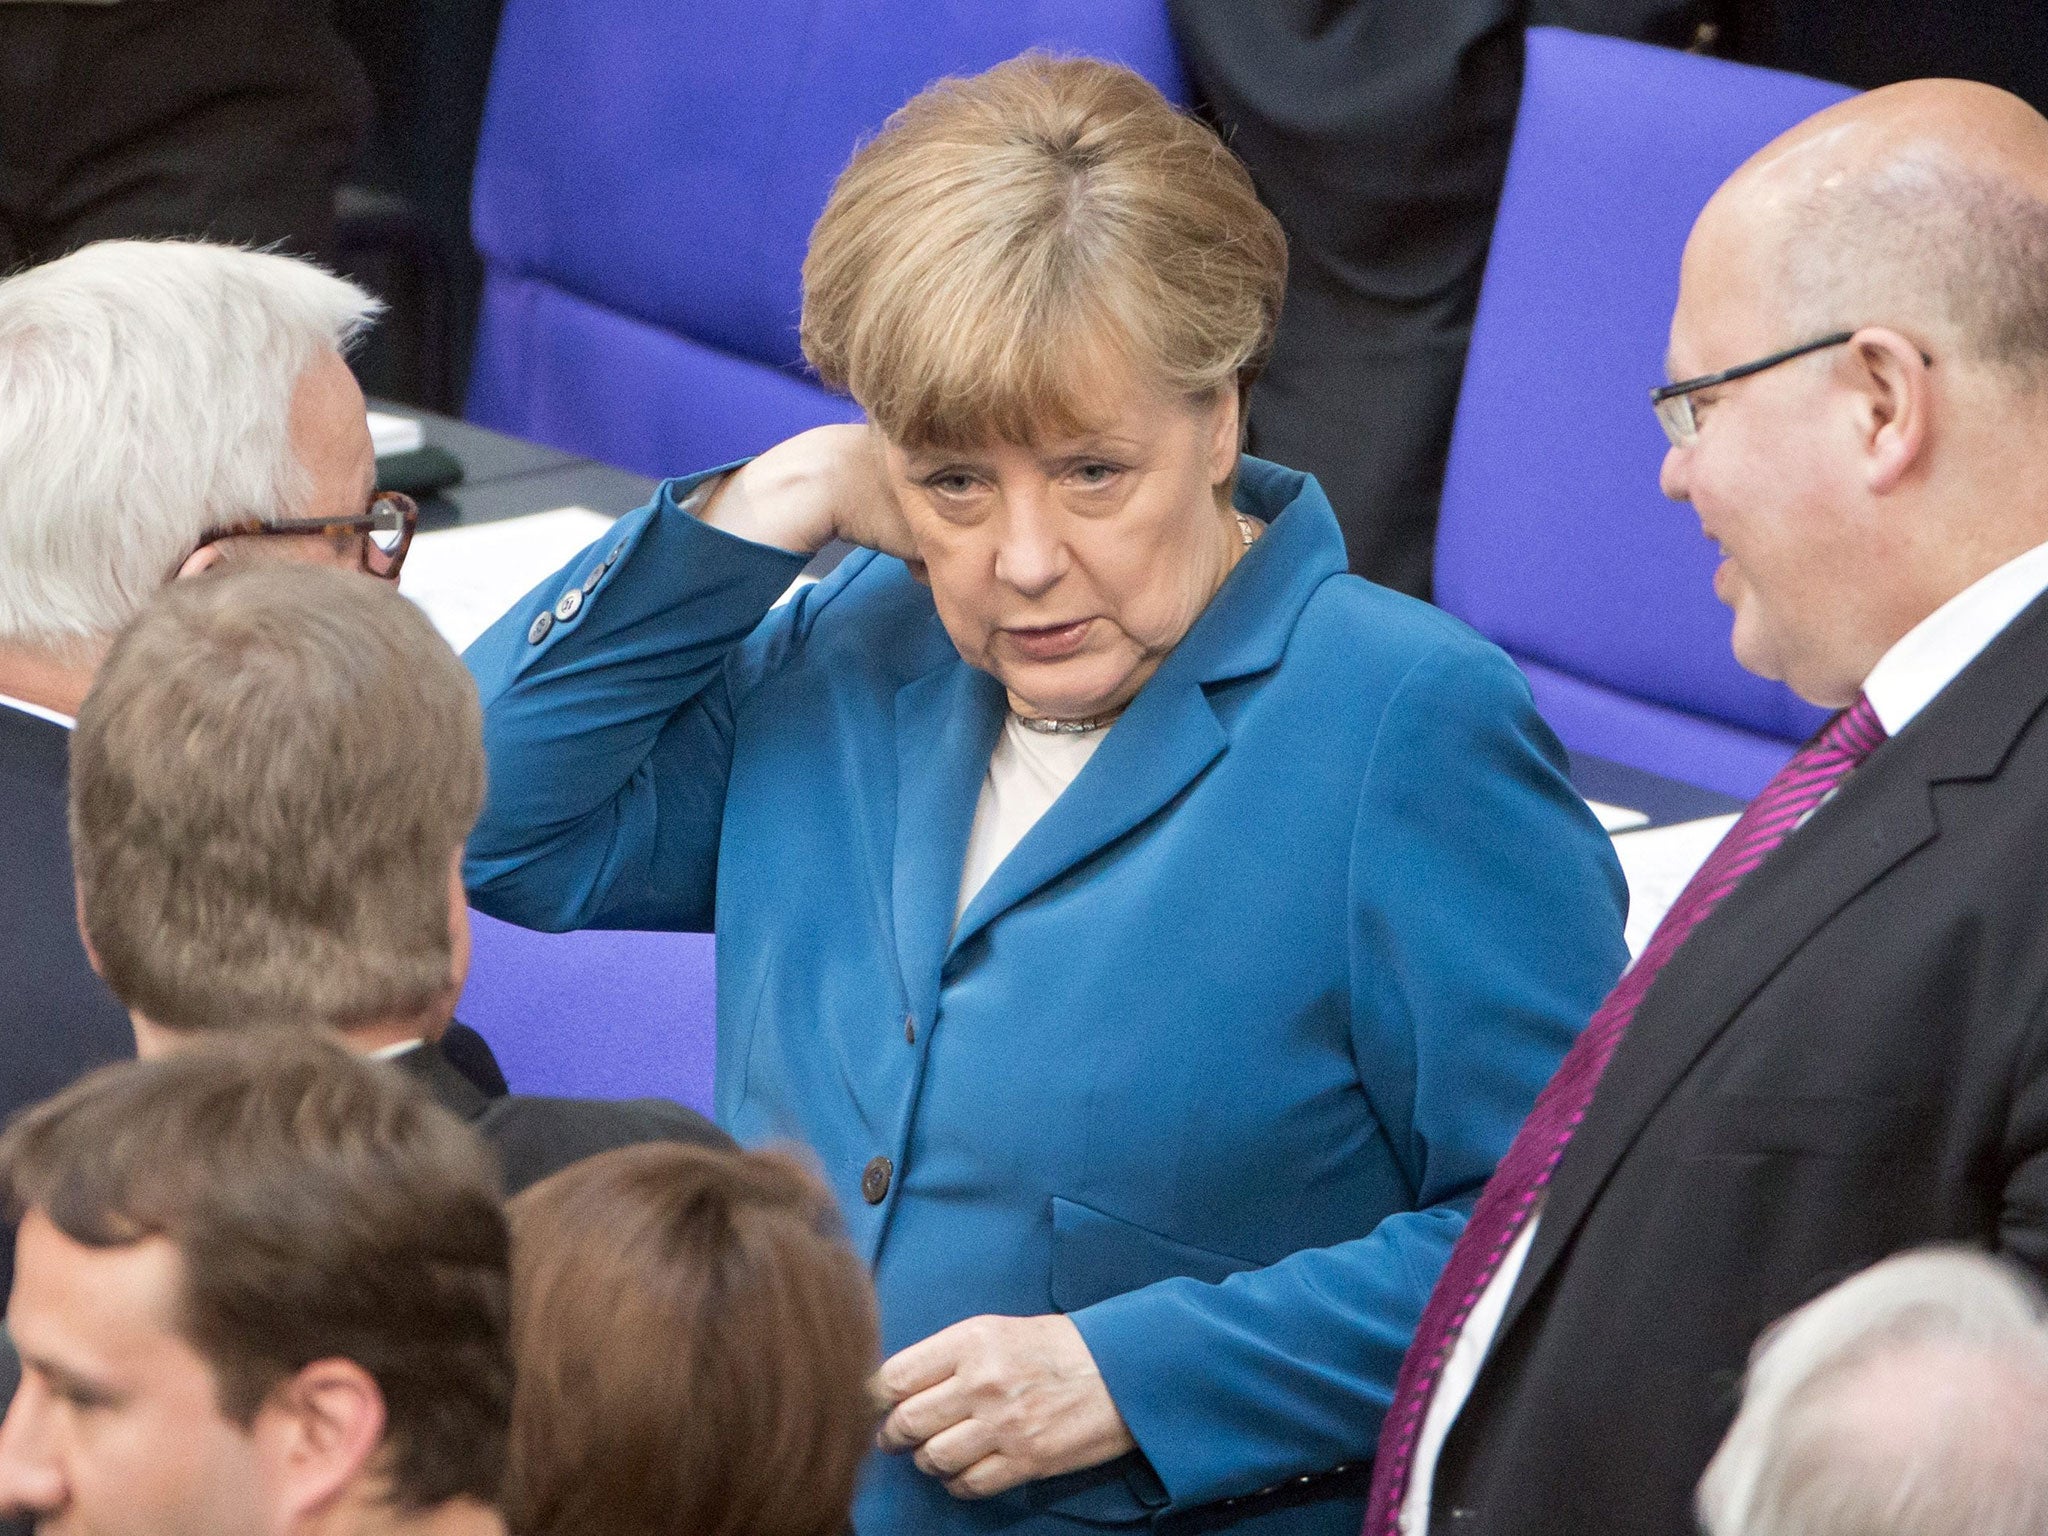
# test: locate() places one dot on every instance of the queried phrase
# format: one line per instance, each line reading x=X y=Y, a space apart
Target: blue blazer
x=1217 y=1060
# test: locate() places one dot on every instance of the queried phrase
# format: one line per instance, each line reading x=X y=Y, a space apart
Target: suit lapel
x=1164 y=740
x=946 y=727
x=1883 y=813
x=1170 y=733
x=947 y=722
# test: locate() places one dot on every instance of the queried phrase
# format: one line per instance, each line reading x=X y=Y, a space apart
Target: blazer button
x=874 y=1180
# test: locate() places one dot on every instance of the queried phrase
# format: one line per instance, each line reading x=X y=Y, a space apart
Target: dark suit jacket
x=1848 y=1058
x=535 y=1137
x=57 y=1019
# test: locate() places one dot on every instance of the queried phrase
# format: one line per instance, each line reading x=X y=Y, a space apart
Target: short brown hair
x=693 y=1341
x=268 y=780
x=1004 y=231
x=322 y=1207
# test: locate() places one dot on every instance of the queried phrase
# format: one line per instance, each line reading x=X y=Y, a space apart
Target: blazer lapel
x=1166 y=738
x=1883 y=813
x=1170 y=733
x=946 y=727
x=947 y=722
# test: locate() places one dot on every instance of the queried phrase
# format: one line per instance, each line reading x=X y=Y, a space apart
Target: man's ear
x=317 y=1436
x=458 y=925
x=1226 y=434
x=84 y=937
x=1894 y=403
x=206 y=557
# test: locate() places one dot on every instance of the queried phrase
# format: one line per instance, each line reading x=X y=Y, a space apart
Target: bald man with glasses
x=1835 y=1046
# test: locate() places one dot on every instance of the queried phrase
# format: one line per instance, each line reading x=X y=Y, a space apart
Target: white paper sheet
x=466 y=578
x=394 y=434
x=1658 y=861
x=1617 y=818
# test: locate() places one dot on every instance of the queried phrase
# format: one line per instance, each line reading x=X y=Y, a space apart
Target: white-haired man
x=164 y=407
x=1910 y=1400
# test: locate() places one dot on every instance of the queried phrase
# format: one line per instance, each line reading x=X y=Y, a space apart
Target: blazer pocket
x=1733 y=1125
x=1096 y=1256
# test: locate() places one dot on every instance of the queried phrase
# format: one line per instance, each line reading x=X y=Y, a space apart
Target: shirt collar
x=1930 y=655
x=9 y=702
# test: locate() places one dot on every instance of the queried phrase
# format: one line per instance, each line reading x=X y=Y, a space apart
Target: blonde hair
x=269 y=779
x=1008 y=234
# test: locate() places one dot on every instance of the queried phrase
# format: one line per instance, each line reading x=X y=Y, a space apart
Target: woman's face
x=1069 y=569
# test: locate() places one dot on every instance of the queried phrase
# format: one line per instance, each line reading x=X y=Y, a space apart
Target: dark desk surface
x=509 y=477
x=1663 y=800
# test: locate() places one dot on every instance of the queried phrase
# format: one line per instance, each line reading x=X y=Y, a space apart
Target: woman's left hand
x=996 y=1401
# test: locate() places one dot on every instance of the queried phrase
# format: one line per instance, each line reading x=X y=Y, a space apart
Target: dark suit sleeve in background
x=1378 y=131
x=535 y=1137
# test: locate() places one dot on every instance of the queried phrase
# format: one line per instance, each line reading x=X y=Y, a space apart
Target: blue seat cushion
x=596 y=1014
x=563 y=371
x=1654 y=737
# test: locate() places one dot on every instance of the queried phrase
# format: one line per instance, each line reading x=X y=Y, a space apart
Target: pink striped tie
x=1505 y=1204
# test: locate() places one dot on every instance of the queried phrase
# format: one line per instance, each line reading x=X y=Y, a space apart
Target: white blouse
x=1027 y=772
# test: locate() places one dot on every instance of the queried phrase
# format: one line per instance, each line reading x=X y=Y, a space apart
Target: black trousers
x=224 y=119
x=1378 y=131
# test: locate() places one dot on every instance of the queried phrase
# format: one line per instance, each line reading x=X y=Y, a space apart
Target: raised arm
x=607 y=720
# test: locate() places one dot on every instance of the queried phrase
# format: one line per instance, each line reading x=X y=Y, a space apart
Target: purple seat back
x=647 y=180
x=596 y=1014
x=1554 y=540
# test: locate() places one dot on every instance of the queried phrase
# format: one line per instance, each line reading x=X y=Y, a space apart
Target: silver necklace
x=1046 y=725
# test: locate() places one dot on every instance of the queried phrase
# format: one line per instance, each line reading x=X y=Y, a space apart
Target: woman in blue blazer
x=1156 y=933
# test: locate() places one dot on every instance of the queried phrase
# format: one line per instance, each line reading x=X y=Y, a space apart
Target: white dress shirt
x=1027 y=772
x=1925 y=660
x=7 y=701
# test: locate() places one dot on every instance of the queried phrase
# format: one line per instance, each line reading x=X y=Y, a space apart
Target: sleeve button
x=571 y=603
x=538 y=632
x=874 y=1180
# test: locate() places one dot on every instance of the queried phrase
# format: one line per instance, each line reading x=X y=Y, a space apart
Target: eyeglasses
x=387 y=527
x=1673 y=402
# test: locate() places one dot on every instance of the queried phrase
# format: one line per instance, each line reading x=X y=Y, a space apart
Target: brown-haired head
x=693 y=1341
x=1008 y=237
x=269 y=782
x=322 y=1207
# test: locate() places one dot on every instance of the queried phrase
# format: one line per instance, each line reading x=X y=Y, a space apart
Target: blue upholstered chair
x=594 y=1015
x=646 y=184
x=1555 y=541
x=648 y=176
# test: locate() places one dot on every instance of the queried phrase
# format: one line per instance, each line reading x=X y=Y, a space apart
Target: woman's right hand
x=825 y=484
